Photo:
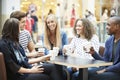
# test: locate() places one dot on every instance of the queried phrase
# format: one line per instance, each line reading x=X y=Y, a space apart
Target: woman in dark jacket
x=17 y=66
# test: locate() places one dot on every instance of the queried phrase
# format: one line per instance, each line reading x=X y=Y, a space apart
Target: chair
x=67 y=74
x=2 y=68
x=101 y=50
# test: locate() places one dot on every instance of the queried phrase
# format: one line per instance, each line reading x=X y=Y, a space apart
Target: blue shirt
x=64 y=42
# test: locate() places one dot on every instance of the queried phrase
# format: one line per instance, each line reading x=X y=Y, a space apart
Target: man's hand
x=40 y=54
x=92 y=51
x=101 y=71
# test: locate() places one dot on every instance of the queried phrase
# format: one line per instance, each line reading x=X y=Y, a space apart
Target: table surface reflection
x=79 y=62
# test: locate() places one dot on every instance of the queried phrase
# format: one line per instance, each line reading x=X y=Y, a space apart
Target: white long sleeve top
x=77 y=45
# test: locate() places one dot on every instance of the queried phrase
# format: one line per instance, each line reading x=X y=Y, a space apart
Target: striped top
x=24 y=39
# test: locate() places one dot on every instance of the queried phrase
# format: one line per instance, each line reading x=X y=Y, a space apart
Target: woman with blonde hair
x=53 y=36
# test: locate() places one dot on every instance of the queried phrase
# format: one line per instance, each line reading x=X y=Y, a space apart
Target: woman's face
x=51 y=23
x=79 y=27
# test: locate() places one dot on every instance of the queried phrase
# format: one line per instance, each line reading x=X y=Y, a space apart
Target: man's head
x=113 y=25
x=21 y=16
x=17 y=14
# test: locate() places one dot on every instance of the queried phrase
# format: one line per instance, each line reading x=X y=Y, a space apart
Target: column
x=0 y=15
x=89 y=5
x=117 y=6
x=7 y=6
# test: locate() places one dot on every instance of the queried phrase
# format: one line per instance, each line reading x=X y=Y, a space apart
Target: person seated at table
x=111 y=53
x=25 y=38
x=53 y=36
x=17 y=66
x=84 y=36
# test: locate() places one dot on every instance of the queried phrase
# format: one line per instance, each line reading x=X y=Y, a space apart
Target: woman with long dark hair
x=17 y=66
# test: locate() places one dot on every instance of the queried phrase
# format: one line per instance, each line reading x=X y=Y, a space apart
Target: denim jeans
x=92 y=75
x=51 y=72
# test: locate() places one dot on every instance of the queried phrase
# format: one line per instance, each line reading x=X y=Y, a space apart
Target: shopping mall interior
x=61 y=8
x=47 y=54
x=43 y=6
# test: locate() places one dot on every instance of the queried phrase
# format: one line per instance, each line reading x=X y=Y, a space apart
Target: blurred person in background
x=29 y=23
x=35 y=25
x=73 y=16
x=112 y=13
x=91 y=17
x=105 y=15
x=35 y=18
x=50 y=11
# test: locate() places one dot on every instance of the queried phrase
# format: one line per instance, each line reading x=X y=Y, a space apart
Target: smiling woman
x=51 y=22
x=85 y=38
x=53 y=36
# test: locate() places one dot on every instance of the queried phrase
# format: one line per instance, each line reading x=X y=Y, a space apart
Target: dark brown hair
x=88 y=29
x=18 y=15
x=11 y=29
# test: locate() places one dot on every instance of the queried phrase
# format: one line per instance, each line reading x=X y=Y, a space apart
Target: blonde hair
x=47 y=34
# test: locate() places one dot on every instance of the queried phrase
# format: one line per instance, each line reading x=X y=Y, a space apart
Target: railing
x=101 y=31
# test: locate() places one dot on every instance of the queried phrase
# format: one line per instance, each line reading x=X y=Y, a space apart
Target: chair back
x=101 y=50
x=2 y=68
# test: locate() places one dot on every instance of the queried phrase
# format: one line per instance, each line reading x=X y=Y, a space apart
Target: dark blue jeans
x=72 y=73
x=54 y=71
x=51 y=72
x=92 y=75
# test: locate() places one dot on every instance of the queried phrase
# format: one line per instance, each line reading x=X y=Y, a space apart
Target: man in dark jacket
x=111 y=54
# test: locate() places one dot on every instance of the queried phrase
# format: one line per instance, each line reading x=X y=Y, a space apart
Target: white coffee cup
x=56 y=50
x=52 y=54
x=87 y=47
x=41 y=50
x=68 y=49
x=39 y=44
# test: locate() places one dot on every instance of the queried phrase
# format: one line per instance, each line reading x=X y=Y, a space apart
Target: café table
x=80 y=63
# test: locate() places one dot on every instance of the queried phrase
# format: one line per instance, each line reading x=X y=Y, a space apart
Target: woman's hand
x=46 y=57
x=37 y=69
x=64 y=50
x=40 y=54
